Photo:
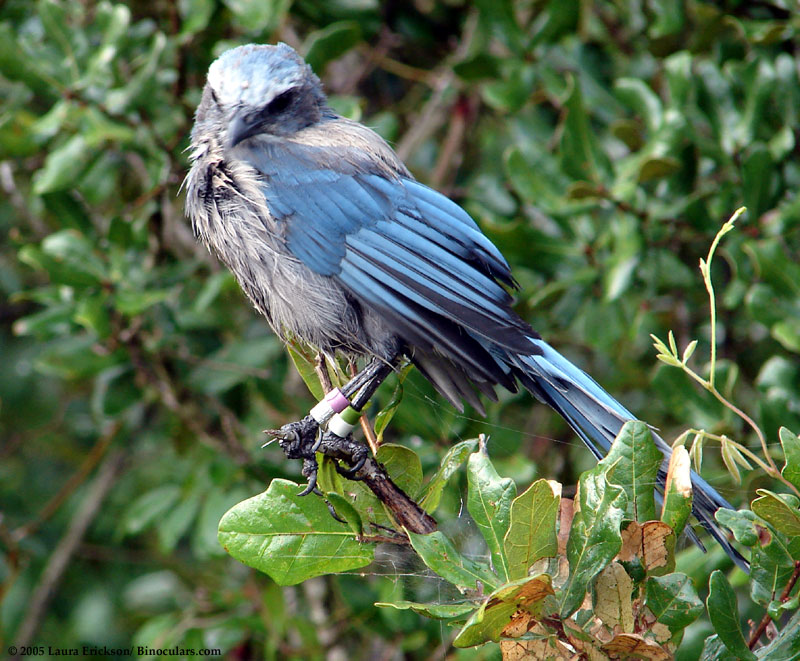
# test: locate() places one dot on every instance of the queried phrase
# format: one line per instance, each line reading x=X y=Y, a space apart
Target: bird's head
x=260 y=91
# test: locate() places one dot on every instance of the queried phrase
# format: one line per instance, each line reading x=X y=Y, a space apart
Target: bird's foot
x=298 y=440
x=346 y=449
x=303 y=439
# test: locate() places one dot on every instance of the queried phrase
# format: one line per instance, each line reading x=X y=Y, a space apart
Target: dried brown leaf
x=629 y=644
x=655 y=552
x=612 y=603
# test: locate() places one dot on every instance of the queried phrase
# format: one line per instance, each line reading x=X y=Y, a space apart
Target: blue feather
x=411 y=254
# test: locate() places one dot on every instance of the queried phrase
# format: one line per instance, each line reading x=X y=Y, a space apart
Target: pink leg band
x=336 y=400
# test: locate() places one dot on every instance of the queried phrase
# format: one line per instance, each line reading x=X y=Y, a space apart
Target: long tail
x=597 y=418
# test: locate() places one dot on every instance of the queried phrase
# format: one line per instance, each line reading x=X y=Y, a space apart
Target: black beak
x=242 y=127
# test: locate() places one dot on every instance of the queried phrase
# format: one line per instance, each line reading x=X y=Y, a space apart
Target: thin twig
x=369 y=434
x=762 y=626
x=321 y=368
x=62 y=554
x=68 y=488
x=452 y=143
x=384 y=539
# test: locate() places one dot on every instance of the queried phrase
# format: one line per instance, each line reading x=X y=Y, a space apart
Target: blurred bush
x=600 y=145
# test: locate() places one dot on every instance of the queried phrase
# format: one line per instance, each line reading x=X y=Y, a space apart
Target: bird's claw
x=302 y=440
x=360 y=457
x=298 y=440
x=310 y=471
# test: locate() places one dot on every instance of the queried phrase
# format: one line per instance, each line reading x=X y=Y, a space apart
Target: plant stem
x=705 y=269
x=762 y=626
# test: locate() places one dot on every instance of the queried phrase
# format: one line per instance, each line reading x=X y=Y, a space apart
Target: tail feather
x=597 y=418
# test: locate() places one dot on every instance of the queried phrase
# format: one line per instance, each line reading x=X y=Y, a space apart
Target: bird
x=336 y=243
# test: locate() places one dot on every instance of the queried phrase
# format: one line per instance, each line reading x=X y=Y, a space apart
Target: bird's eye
x=279 y=103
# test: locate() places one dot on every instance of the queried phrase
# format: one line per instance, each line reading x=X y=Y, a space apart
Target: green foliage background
x=600 y=144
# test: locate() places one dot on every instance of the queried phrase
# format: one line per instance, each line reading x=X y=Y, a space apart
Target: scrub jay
x=336 y=243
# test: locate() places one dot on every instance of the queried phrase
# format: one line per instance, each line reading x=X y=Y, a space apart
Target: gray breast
x=225 y=204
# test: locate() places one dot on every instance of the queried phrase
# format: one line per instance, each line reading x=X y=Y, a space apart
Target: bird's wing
x=400 y=248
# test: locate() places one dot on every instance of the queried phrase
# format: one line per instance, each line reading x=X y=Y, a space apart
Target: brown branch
x=385 y=539
x=762 y=626
x=151 y=370
x=369 y=433
x=405 y=510
x=321 y=368
x=452 y=143
x=62 y=554
x=76 y=479
x=432 y=116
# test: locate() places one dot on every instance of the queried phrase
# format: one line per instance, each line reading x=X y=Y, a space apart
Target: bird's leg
x=343 y=422
x=301 y=439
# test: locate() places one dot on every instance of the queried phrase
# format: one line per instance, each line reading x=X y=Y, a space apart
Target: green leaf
x=724 y=615
x=74 y=251
x=495 y=613
x=435 y=611
x=450 y=463
x=669 y=18
x=139 y=85
x=290 y=538
x=489 y=502
x=501 y=16
x=93 y=314
x=480 y=67
x=786 y=645
x=780 y=510
x=176 y=523
x=403 y=465
x=791 y=452
x=346 y=511
x=148 y=507
x=581 y=155
x=636 y=94
x=63 y=166
x=217 y=501
x=439 y=554
x=771 y=567
x=75 y=356
x=385 y=415
x=714 y=650
x=658 y=167
x=256 y=16
x=757 y=179
x=233 y=363
x=673 y=600
x=16 y=63
x=304 y=362
x=485 y=624
x=333 y=41
x=50 y=322
x=787 y=332
x=535 y=178
x=53 y=18
x=195 y=15
x=532 y=532
x=369 y=508
x=741 y=523
x=595 y=537
x=508 y=93
x=633 y=462
x=132 y=301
